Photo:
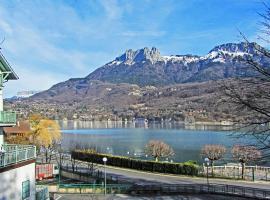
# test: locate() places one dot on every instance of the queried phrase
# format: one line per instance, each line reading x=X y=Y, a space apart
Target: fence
x=12 y=154
x=253 y=193
x=165 y=189
x=90 y=176
x=93 y=188
x=7 y=117
x=42 y=193
x=235 y=171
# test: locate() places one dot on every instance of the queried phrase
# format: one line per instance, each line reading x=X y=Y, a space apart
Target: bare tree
x=245 y=154
x=158 y=149
x=213 y=152
x=249 y=98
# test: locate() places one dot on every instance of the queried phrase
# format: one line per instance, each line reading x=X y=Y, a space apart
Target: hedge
x=186 y=168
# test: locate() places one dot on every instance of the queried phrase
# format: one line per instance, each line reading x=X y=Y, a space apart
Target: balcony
x=13 y=154
x=7 y=118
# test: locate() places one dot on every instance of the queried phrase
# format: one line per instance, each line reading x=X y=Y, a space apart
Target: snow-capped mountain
x=217 y=54
x=148 y=67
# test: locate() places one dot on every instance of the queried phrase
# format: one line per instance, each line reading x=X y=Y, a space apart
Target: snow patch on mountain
x=182 y=58
x=219 y=53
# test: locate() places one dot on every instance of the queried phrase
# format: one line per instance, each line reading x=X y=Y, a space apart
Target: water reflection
x=76 y=124
x=130 y=138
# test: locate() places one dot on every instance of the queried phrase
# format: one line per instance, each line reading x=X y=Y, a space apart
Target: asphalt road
x=144 y=178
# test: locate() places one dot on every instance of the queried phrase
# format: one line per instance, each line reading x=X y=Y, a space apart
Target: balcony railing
x=7 y=117
x=12 y=154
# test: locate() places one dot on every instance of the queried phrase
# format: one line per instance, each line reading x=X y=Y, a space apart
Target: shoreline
x=79 y=124
x=222 y=123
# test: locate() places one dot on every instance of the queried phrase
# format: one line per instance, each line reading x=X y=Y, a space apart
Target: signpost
x=207 y=165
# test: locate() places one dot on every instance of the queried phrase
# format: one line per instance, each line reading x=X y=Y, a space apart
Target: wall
x=1 y=136
x=11 y=182
x=1 y=99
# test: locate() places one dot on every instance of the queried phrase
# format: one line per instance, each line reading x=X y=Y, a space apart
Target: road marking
x=59 y=196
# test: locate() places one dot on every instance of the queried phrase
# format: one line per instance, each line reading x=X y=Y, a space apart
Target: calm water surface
x=129 y=139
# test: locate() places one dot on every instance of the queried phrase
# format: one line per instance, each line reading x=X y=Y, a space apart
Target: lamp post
x=59 y=174
x=105 y=160
x=207 y=165
x=60 y=163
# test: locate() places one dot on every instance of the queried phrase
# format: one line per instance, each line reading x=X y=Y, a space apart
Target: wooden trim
x=17 y=165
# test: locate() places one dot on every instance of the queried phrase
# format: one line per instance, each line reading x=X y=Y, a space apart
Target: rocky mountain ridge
x=153 y=55
x=148 y=67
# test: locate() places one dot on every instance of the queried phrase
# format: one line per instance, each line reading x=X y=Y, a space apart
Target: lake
x=130 y=138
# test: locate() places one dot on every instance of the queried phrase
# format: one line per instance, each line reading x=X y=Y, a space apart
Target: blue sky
x=51 y=41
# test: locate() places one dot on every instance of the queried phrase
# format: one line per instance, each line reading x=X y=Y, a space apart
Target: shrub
x=171 y=168
x=186 y=168
x=158 y=167
x=147 y=166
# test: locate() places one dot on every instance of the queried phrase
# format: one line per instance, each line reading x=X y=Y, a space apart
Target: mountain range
x=147 y=67
x=131 y=77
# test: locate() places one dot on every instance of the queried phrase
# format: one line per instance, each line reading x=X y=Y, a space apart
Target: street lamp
x=206 y=160
x=60 y=163
x=104 y=160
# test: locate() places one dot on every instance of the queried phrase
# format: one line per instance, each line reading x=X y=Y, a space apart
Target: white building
x=17 y=162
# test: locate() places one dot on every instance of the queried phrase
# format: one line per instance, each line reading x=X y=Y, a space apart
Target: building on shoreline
x=17 y=162
x=21 y=128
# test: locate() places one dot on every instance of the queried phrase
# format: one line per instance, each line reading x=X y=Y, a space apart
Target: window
x=25 y=189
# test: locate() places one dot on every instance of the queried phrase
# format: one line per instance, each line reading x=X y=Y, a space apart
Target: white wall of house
x=1 y=109
x=11 y=182
x=1 y=100
x=1 y=137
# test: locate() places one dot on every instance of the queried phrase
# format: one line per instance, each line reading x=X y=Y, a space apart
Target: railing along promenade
x=13 y=154
x=225 y=190
x=166 y=189
x=235 y=172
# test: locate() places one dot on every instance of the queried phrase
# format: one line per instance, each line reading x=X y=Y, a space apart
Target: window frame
x=25 y=189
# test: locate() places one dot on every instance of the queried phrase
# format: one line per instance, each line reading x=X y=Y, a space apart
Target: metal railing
x=42 y=192
x=7 y=117
x=235 y=172
x=168 y=189
x=94 y=188
x=254 y=193
x=12 y=154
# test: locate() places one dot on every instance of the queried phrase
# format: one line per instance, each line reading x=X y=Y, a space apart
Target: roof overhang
x=6 y=68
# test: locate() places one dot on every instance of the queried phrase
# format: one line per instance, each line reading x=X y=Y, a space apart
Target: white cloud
x=29 y=80
x=28 y=43
x=37 y=54
x=49 y=41
x=112 y=9
x=149 y=33
x=6 y=27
